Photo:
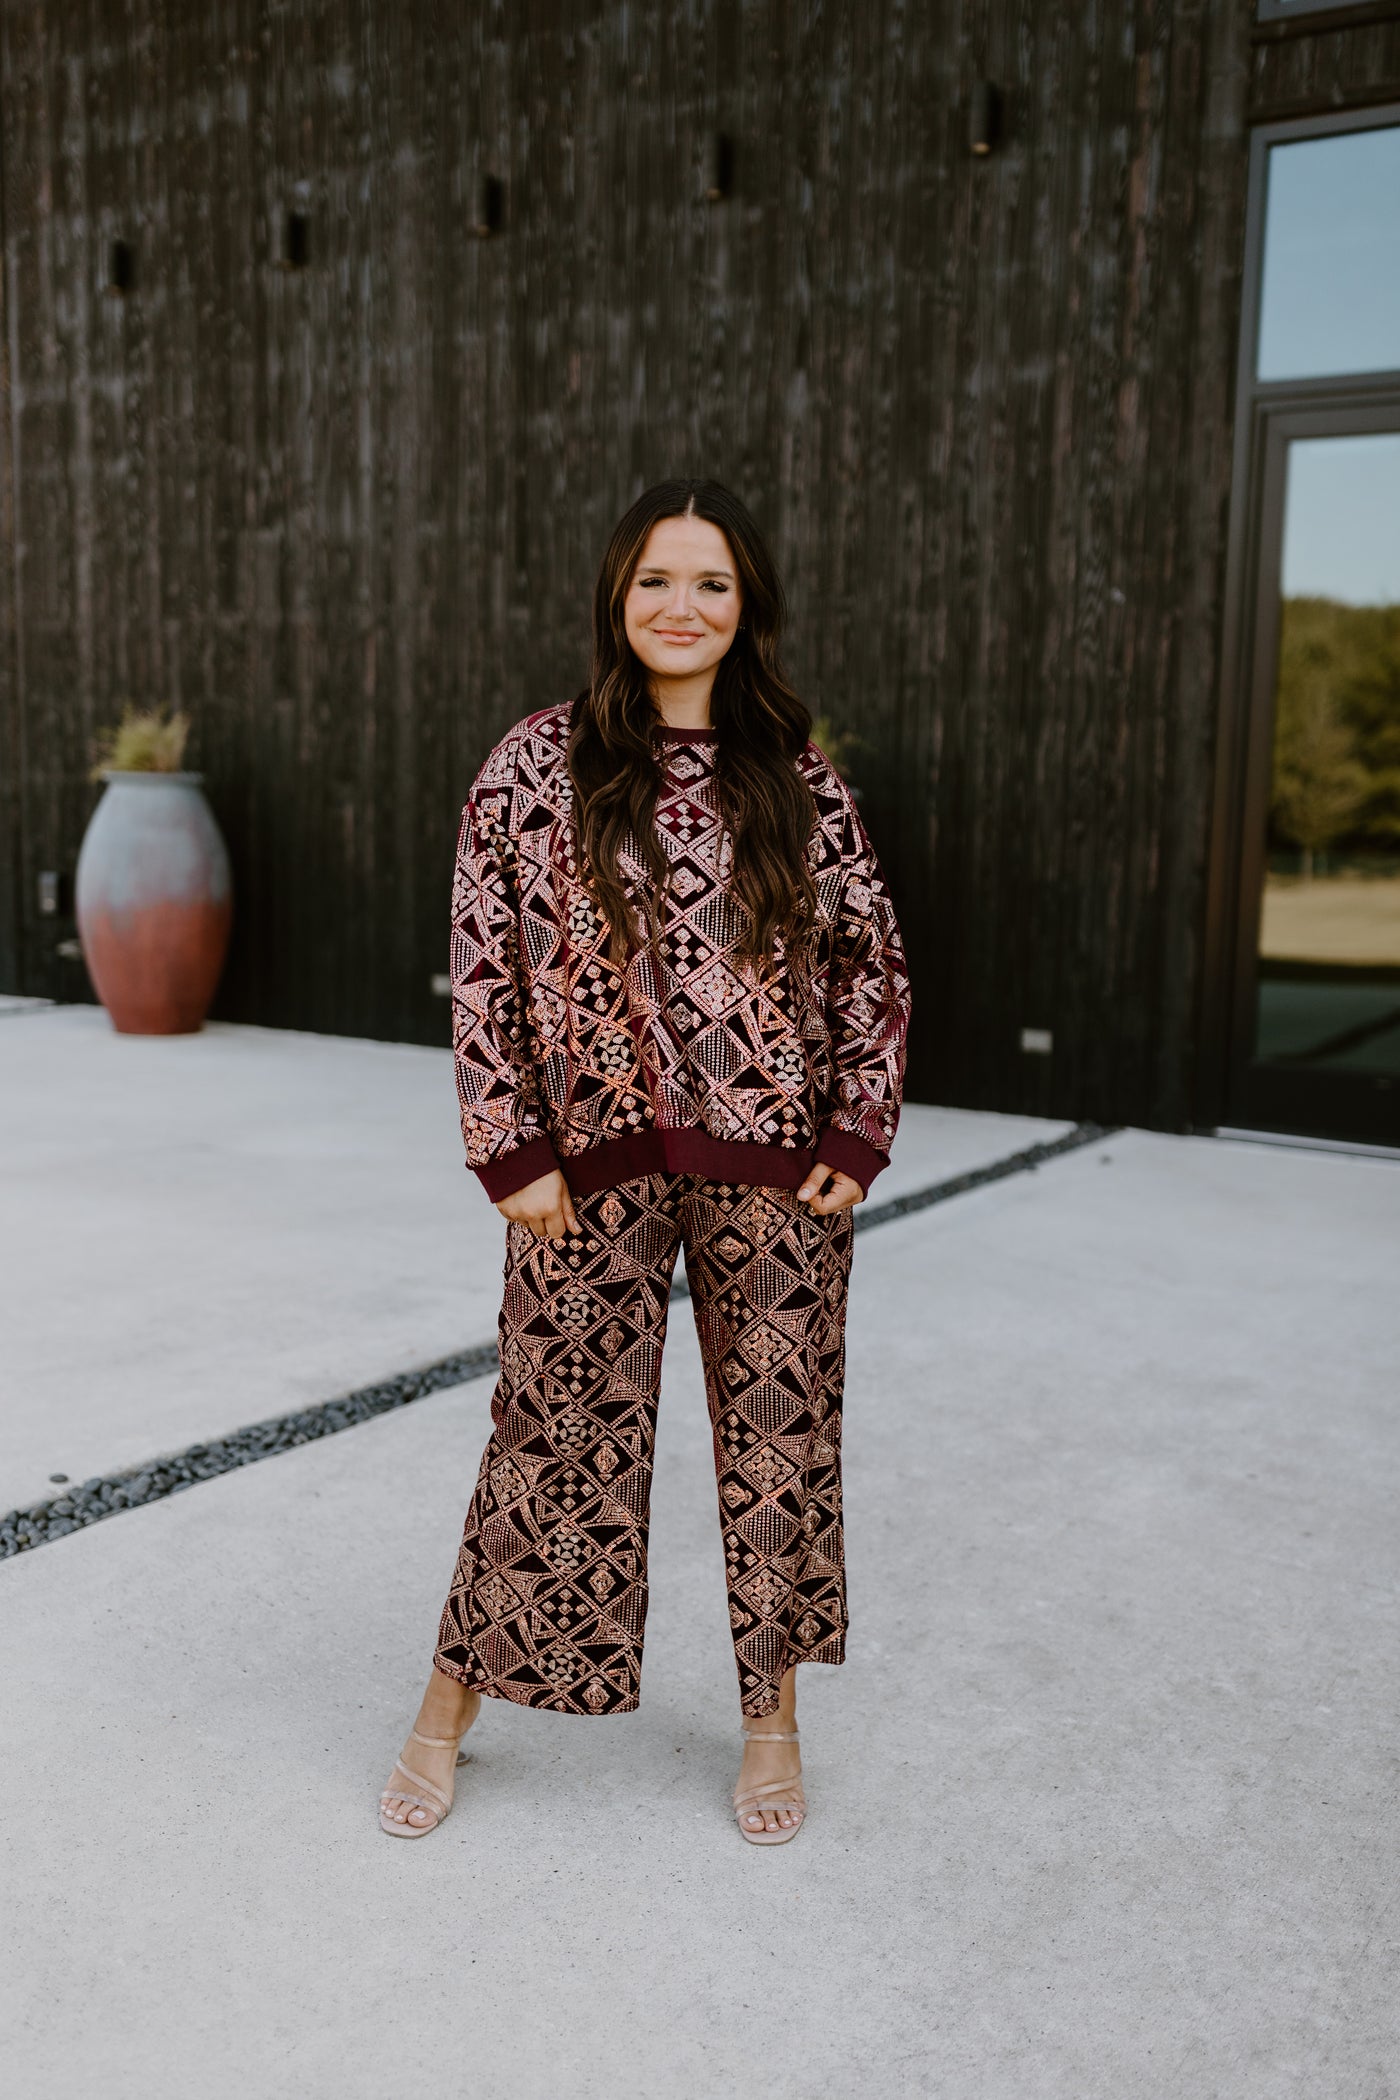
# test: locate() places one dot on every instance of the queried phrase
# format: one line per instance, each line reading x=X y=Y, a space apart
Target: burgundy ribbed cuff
x=502 y=1177
x=849 y=1155
x=680 y=1152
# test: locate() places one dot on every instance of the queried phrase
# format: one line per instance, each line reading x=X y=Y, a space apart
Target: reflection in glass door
x=1328 y=934
x=1303 y=1006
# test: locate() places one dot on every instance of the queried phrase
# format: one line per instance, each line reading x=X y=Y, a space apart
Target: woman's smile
x=686 y=572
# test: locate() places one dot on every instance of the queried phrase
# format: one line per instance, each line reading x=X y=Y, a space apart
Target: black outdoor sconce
x=296 y=241
x=721 y=177
x=121 y=268
x=984 y=118
x=490 y=207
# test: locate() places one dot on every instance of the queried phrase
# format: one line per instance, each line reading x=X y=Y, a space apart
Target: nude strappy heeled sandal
x=432 y=1798
x=771 y=1793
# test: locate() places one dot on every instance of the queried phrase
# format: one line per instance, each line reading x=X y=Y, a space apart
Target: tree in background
x=1370 y=702
x=1337 y=727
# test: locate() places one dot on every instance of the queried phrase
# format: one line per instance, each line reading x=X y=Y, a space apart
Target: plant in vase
x=153 y=894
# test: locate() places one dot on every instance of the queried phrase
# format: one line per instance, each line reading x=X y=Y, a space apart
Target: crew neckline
x=685 y=736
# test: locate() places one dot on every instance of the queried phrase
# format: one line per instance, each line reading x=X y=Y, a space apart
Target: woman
x=679 y=1018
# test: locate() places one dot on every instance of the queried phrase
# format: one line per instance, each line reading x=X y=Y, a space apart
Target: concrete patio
x=1104 y=1803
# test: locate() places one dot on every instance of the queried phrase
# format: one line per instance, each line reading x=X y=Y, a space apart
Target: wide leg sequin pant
x=549 y=1599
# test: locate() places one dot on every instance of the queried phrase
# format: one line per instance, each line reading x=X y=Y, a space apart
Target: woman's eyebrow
x=655 y=568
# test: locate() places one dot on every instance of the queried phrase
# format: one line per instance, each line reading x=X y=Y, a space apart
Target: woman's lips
x=670 y=634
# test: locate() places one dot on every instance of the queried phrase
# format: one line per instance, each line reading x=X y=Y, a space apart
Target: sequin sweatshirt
x=683 y=1061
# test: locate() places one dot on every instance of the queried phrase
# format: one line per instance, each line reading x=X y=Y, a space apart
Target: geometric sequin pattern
x=551 y=1041
x=548 y=1603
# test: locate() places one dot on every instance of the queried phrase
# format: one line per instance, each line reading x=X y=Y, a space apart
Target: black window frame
x=1292 y=11
x=1269 y=414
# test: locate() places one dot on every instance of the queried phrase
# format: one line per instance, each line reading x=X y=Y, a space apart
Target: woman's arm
x=498 y=1088
x=867 y=1015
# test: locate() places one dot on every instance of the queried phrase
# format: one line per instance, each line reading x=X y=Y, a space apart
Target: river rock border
x=77 y=1507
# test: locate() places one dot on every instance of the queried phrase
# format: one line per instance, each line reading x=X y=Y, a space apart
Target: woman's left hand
x=827 y=1188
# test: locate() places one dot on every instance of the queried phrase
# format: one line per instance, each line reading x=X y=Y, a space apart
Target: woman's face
x=683 y=604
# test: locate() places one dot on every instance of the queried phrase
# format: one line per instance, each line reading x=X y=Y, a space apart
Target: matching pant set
x=549 y=1599
x=684 y=1097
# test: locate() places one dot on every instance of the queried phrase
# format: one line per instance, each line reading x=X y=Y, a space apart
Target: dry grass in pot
x=144 y=741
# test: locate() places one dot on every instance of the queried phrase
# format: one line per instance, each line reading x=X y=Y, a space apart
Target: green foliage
x=144 y=741
x=1337 y=727
x=836 y=744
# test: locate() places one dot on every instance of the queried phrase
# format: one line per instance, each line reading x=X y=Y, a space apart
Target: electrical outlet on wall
x=1038 y=1041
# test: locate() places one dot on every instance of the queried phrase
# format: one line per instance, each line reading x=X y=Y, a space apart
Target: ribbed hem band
x=682 y=1152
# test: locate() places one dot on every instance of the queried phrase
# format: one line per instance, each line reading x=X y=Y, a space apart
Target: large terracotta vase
x=154 y=902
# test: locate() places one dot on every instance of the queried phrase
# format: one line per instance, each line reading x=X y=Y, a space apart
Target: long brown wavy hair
x=761 y=727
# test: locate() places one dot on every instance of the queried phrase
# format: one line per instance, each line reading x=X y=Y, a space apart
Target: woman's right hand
x=544 y=1205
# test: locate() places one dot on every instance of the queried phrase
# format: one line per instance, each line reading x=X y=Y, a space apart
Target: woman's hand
x=544 y=1205
x=837 y=1190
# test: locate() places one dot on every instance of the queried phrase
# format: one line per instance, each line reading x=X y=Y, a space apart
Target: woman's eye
x=651 y=583
x=711 y=584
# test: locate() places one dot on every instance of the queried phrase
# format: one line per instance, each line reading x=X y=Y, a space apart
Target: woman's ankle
x=783 y=1719
x=770 y=1724
x=447 y=1704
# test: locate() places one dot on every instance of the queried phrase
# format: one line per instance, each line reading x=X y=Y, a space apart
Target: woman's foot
x=447 y=1712
x=763 y=1762
x=768 y=1761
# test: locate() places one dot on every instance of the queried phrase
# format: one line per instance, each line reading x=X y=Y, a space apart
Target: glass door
x=1303 y=1010
x=1320 y=1025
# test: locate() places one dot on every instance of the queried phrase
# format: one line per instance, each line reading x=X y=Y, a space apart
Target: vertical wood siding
x=348 y=515
x=1331 y=67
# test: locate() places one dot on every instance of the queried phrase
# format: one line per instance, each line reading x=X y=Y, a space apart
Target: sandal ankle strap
x=770 y=1735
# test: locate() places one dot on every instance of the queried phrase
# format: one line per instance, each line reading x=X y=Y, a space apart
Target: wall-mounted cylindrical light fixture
x=121 y=268
x=295 y=250
x=720 y=177
x=490 y=207
x=984 y=118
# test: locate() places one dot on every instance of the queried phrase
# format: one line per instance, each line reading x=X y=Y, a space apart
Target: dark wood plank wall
x=1332 y=62
x=348 y=514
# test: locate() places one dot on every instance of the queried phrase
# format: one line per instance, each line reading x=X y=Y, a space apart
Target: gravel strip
x=77 y=1507
x=978 y=1177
